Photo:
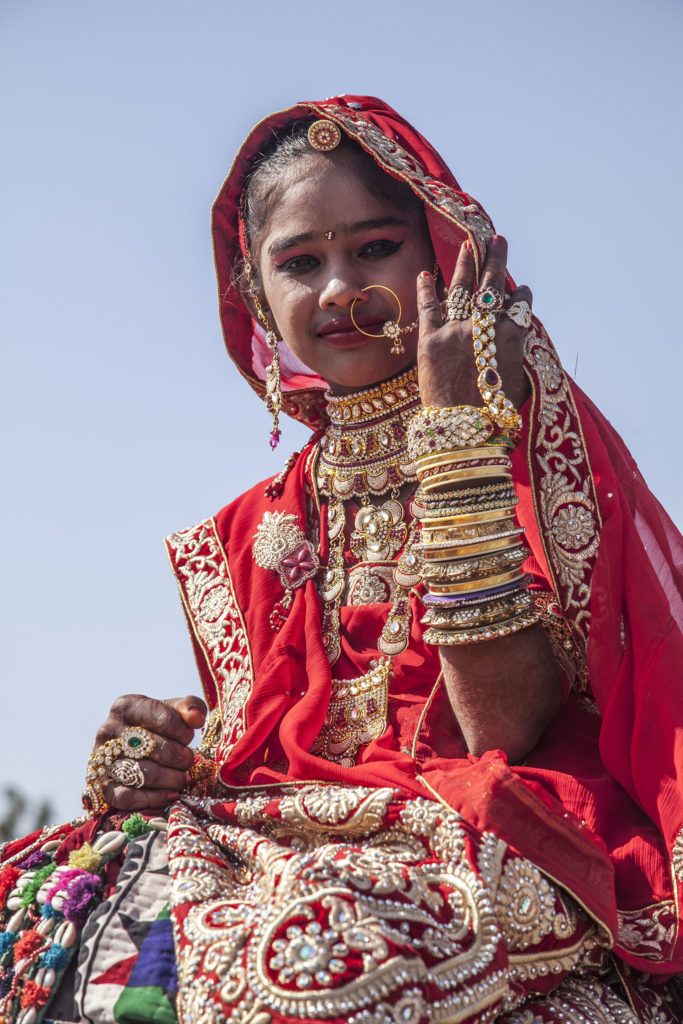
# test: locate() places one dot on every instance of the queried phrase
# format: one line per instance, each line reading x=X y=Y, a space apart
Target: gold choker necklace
x=364 y=450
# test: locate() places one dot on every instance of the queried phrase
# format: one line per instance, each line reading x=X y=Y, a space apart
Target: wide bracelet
x=445 y=428
x=490 y=613
x=453 y=638
x=478 y=567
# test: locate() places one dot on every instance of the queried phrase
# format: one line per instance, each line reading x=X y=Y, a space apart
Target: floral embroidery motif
x=352 y=811
x=649 y=931
x=202 y=570
x=356 y=715
x=567 y=504
x=280 y=544
x=297 y=917
x=527 y=905
x=573 y=526
x=458 y=207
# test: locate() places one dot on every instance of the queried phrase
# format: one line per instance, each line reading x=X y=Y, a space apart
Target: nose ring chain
x=391 y=329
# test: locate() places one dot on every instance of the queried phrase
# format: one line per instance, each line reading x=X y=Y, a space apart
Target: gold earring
x=391 y=328
x=273 y=397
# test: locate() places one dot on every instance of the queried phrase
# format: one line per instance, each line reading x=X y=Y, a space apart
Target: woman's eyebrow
x=280 y=244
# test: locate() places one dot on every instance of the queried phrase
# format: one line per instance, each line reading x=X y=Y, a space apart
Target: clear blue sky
x=122 y=417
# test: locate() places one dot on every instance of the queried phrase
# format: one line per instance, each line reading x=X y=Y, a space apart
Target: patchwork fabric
x=126 y=967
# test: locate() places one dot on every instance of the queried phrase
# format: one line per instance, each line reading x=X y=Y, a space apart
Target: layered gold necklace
x=364 y=448
x=363 y=452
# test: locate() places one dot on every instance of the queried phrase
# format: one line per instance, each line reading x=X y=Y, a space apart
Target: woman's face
x=326 y=239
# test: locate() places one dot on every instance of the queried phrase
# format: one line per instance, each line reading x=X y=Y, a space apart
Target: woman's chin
x=361 y=382
x=365 y=372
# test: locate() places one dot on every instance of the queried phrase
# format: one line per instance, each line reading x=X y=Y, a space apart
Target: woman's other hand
x=445 y=355
x=172 y=724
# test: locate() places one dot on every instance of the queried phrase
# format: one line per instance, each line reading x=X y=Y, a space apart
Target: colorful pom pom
x=135 y=826
x=85 y=858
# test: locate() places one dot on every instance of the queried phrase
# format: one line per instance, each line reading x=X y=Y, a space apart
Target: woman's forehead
x=329 y=193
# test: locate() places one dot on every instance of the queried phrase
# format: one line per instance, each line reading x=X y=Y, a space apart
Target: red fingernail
x=469 y=246
x=425 y=273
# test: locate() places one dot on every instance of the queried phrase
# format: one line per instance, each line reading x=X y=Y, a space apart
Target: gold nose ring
x=391 y=328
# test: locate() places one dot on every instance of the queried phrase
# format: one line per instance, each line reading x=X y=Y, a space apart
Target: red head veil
x=610 y=552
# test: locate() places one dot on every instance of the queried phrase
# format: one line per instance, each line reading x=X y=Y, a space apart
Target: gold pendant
x=371 y=584
x=396 y=632
x=379 y=531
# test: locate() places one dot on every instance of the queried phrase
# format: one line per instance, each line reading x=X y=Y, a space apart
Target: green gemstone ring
x=137 y=742
x=488 y=300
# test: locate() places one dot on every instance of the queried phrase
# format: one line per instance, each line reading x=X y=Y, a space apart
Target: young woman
x=435 y=650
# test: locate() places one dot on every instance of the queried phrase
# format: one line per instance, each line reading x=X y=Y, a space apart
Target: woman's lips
x=342 y=331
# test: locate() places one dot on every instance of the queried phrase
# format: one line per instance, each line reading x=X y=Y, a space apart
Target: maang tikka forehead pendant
x=324 y=135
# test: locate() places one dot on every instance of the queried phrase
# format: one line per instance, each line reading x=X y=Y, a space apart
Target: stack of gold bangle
x=469 y=539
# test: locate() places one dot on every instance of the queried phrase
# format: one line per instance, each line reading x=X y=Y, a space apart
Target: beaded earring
x=273 y=398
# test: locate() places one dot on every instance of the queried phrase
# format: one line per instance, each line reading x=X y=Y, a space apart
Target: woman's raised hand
x=172 y=724
x=445 y=356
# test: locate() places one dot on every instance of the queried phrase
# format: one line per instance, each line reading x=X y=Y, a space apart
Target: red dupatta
x=609 y=551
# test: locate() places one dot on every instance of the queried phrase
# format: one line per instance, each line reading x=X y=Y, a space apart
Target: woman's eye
x=380 y=248
x=297 y=263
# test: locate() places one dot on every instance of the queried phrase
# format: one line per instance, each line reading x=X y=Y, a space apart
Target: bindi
x=329 y=235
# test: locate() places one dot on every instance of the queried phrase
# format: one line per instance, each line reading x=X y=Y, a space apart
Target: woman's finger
x=518 y=308
x=170 y=754
x=191 y=709
x=157 y=716
x=463 y=275
x=125 y=798
x=428 y=305
x=155 y=775
x=137 y=710
x=495 y=266
x=521 y=294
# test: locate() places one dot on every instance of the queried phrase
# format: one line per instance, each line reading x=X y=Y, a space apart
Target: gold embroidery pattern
x=211 y=733
x=527 y=905
x=575 y=999
x=568 y=654
x=677 y=856
x=202 y=570
x=458 y=207
x=280 y=545
x=566 y=502
x=356 y=715
x=649 y=931
x=336 y=902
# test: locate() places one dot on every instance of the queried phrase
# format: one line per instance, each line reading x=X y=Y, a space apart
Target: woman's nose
x=339 y=293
